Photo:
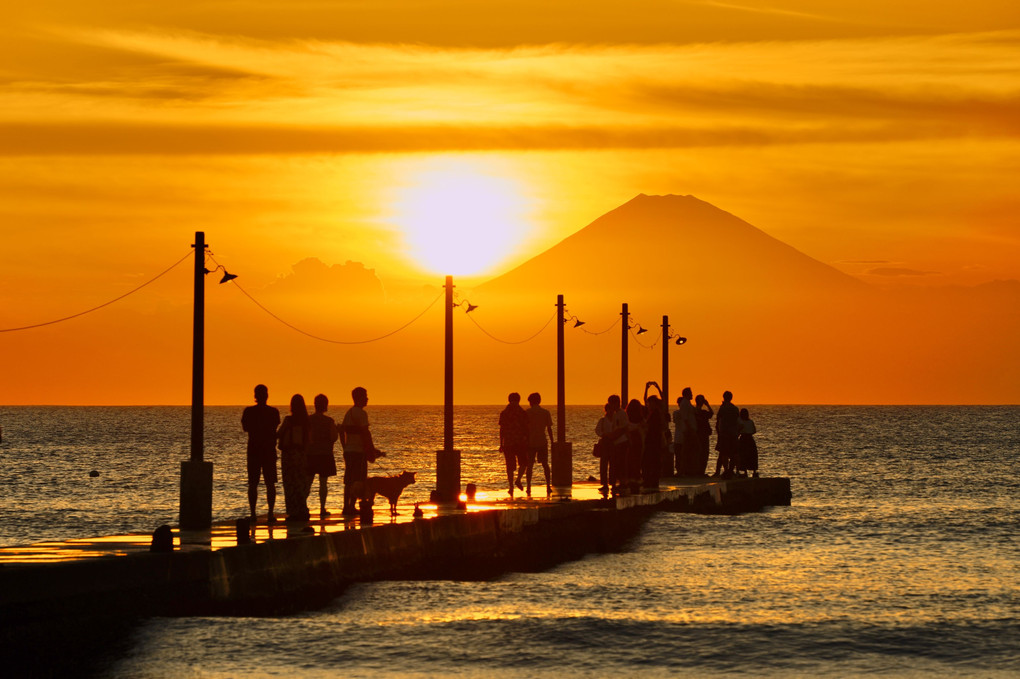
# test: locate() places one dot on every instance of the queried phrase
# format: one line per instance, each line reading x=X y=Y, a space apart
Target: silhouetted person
x=685 y=443
x=619 y=425
x=322 y=434
x=655 y=438
x=539 y=424
x=727 y=429
x=604 y=429
x=261 y=421
x=513 y=440
x=635 y=444
x=703 y=414
x=746 y=446
x=293 y=442
x=359 y=449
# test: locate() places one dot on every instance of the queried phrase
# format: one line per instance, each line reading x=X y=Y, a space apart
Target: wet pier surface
x=88 y=592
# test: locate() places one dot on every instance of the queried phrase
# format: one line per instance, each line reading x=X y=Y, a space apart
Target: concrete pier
x=289 y=567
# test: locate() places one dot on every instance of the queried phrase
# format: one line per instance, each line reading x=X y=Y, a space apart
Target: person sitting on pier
x=322 y=434
x=293 y=442
x=513 y=440
x=261 y=421
x=539 y=424
x=727 y=429
x=746 y=446
x=359 y=449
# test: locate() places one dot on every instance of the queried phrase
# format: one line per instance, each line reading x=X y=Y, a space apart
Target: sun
x=461 y=216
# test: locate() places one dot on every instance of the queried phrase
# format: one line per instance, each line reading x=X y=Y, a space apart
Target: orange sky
x=879 y=138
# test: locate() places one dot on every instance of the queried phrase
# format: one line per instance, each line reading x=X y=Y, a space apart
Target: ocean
x=898 y=557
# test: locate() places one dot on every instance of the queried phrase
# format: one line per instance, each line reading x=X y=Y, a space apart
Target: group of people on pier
x=634 y=441
x=306 y=450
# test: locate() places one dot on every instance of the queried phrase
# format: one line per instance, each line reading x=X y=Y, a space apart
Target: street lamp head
x=227 y=276
x=681 y=340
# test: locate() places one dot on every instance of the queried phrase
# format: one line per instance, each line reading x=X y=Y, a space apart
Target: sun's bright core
x=460 y=217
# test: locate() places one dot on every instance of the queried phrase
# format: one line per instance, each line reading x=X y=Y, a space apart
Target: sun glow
x=461 y=216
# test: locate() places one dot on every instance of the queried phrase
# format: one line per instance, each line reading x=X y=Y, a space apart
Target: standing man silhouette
x=358 y=447
x=685 y=443
x=513 y=440
x=539 y=424
x=727 y=429
x=261 y=421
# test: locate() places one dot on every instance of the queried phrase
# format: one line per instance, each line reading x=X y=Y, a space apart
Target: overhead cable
x=105 y=304
x=472 y=319
x=334 y=341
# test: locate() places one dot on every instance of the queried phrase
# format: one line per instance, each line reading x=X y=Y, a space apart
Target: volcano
x=672 y=248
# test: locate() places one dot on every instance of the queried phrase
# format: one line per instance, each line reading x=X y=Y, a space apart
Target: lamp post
x=196 y=473
x=623 y=356
x=665 y=360
x=667 y=460
x=448 y=459
x=562 y=454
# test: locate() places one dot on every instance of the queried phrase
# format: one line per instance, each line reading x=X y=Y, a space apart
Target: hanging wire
x=569 y=316
x=643 y=345
x=333 y=341
x=105 y=304
x=551 y=318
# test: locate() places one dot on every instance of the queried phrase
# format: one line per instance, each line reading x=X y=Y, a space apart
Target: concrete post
x=665 y=361
x=562 y=453
x=196 y=474
x=624 y=377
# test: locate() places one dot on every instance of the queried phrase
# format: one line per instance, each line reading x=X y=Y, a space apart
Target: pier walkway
x=702 y=495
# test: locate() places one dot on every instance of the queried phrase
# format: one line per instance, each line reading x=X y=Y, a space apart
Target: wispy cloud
x=301 y=95
x=767 y=10
x=893 y=271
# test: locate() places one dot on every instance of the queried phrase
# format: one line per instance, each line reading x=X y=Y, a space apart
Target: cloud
x=218 y=94
x=507 y=23
x=348 y=283
x=894 y=271
x=778 y=11
x=176 y=139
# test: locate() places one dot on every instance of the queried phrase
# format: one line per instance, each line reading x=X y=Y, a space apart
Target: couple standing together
x=523 y=440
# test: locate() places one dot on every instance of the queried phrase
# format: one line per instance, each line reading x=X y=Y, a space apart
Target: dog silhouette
x=390 y=487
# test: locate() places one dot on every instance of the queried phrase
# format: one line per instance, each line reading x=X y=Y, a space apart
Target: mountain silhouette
x=762 y=319
x=675 y=246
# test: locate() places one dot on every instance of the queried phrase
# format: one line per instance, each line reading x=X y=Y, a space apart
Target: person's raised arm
x=652 y=384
